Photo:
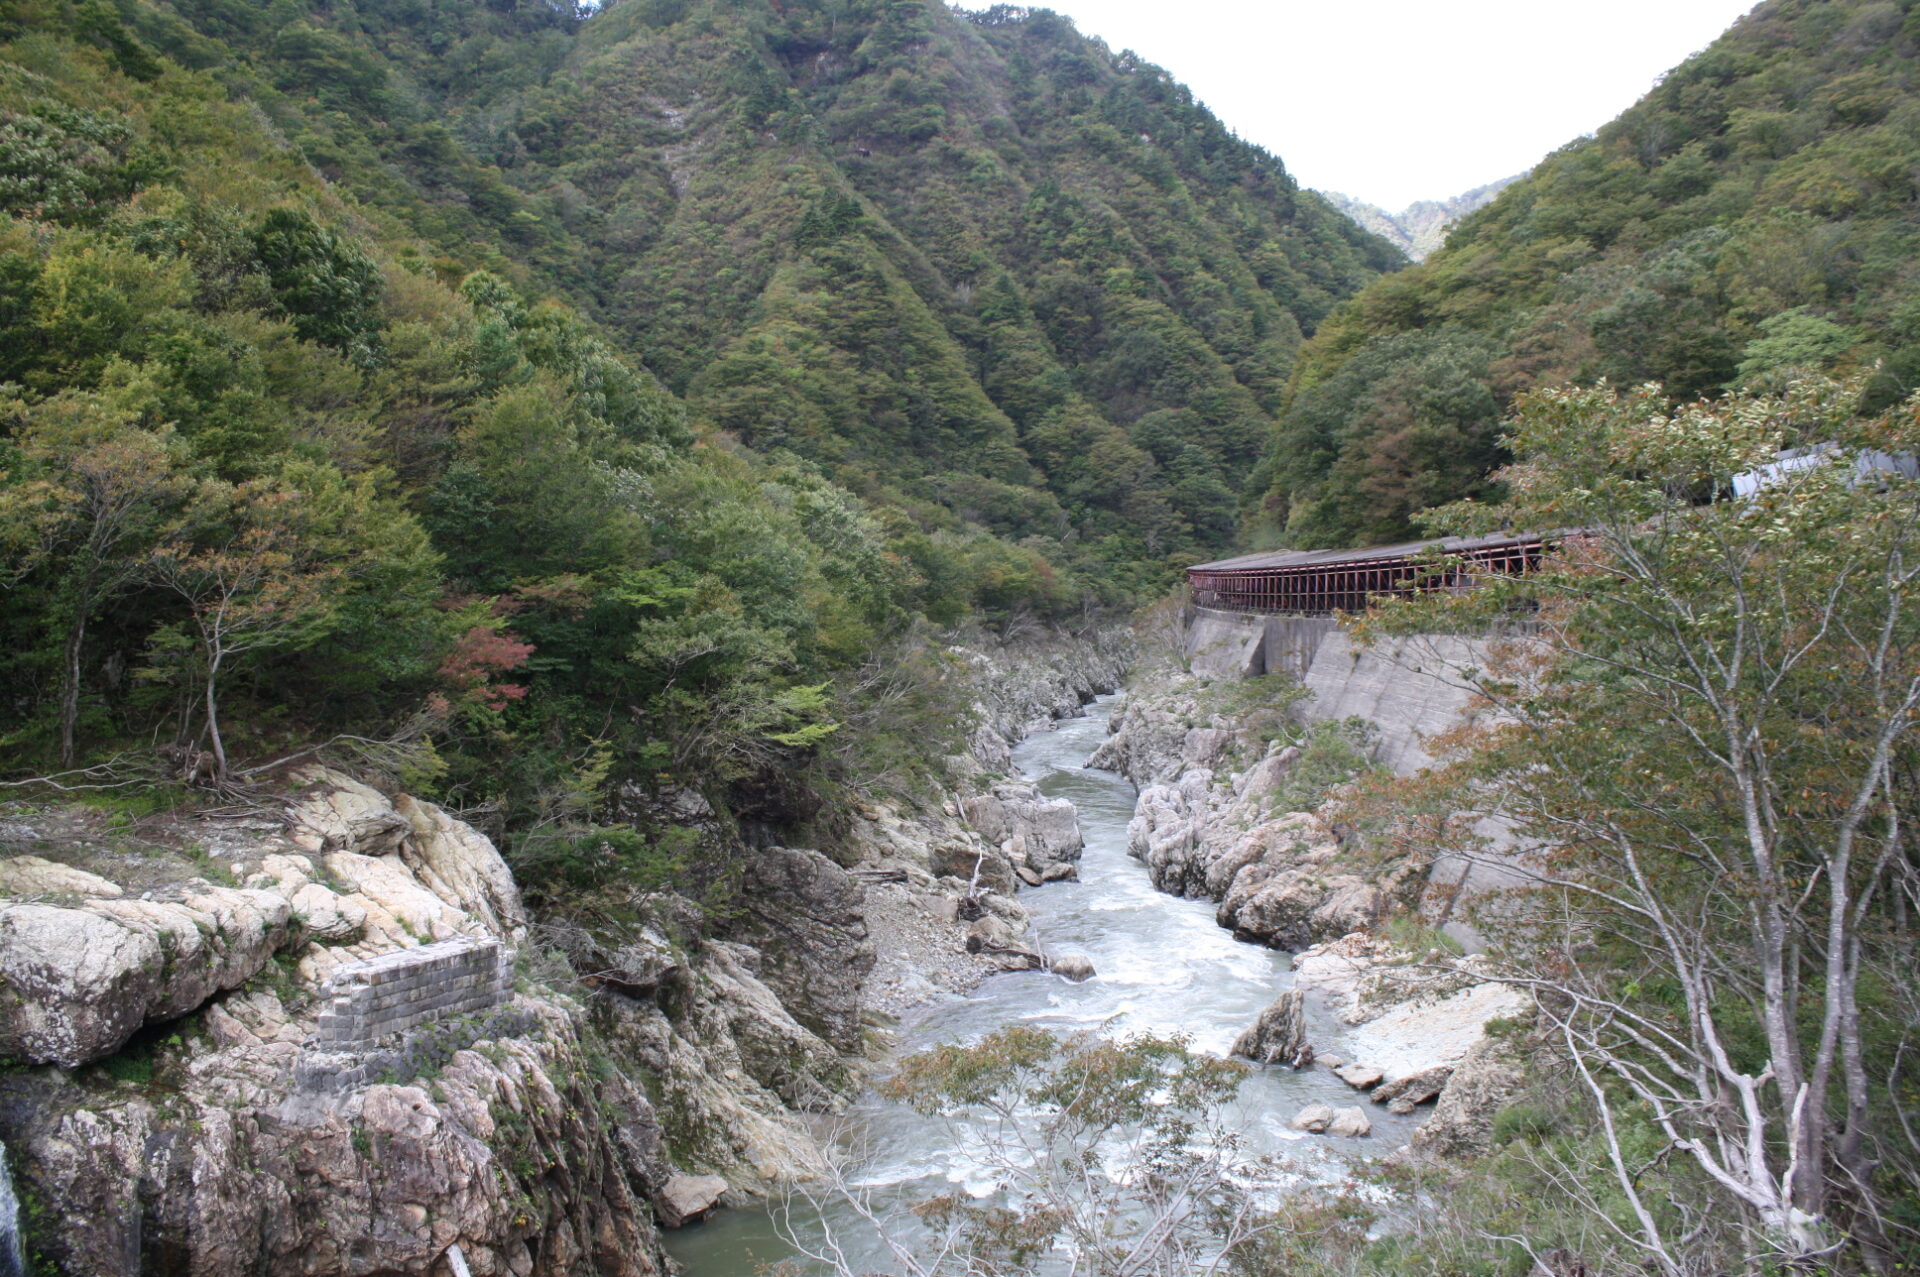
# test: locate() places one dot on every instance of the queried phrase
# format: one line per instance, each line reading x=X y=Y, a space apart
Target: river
x=13 y=1258
x=1163 y=967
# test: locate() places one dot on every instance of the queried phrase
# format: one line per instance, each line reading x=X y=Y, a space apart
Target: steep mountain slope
x=1421 y=227
x=1007 y=315
x=282 y=476
x=974 y=264
x=1753 y=215
x=270 y=470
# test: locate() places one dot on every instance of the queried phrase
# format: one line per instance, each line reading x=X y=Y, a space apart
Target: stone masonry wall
x=397 y=991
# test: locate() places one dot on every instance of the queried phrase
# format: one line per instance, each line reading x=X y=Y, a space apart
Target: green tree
x=326 y=284
x=94 y=494
x=1406 y=424
x=1708 y=745
x=1794 y=343
x=253 y=579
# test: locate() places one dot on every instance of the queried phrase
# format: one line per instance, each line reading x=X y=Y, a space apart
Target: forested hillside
x=327 y=406
x=975 y=265
x=1751 y=218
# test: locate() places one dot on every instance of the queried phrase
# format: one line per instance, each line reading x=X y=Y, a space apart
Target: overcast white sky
x=1394 y=101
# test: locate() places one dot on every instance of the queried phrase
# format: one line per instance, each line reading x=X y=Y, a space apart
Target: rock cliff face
x=215 y=1136
x=217 y=1133
x=1023 y=687
x=1420 y=228
x=1039 y=838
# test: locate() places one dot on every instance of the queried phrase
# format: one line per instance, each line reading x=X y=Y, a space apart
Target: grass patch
x=1415 y=936
x=213 y=870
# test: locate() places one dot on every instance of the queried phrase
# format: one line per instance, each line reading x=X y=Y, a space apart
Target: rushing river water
x=13 y=1259
x=1163 y=967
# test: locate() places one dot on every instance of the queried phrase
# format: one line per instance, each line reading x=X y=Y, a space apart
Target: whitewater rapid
x=1164 y=967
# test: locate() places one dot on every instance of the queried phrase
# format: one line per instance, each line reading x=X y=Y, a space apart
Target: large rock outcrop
x=236 y=1143
x=1210 y=822
x=1156 y=734
x=1489 y=1077
x=1289 y=883
x=77 y=982
x=531 y=1137
x=1418 y=1033
x=513 y=1151
x=1281 y=878
x=1024 y=686
x=733 y=1070
x=936 y=870
x=811 y=930
x=1279 y=1036
x=1039 y=837
x=446 y=857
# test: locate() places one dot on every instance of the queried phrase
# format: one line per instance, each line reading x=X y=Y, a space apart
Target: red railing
x=1318 y=589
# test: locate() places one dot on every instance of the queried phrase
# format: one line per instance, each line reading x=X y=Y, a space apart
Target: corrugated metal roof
x=1372 y=554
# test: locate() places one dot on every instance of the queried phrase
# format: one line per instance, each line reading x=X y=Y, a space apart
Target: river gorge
x=1163 y=966
x=408 y=1068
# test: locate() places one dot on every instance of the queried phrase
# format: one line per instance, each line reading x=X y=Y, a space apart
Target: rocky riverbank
x=163 y=981
x=1214 y=820
x=945 y=876
x=1221 y=768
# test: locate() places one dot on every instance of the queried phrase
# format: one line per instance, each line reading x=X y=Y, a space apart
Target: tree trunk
x=70 y=687
x=83 y=604
x=213 y=720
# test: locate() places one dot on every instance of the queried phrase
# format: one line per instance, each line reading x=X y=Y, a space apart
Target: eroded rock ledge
x=215 y=1138
x=536 y=1135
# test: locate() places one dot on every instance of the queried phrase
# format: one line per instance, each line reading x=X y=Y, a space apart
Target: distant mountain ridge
x=1419 y=228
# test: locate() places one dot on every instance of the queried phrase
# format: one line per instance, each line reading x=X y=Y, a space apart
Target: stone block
x=398 y=991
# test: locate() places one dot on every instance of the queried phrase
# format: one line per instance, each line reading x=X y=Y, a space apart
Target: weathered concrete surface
x=1410 y=688
x=1226 y=644
x=1249 y=644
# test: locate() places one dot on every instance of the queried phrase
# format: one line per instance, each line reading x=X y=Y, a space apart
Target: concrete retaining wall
x=377 y=997
x=1248 y=644
x=1408 y=687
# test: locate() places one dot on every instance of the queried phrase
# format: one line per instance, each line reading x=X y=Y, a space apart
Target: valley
x=668 y=636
